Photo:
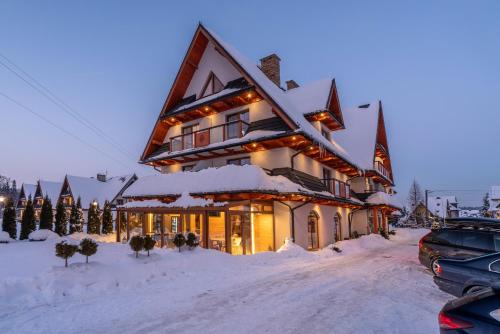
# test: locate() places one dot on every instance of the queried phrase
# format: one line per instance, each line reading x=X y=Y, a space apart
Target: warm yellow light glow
x=312 y=147
x=172 y=119
x=206 y=108
x=249 y=95
x=254 y=145
x=294 y=138
x=322 y=114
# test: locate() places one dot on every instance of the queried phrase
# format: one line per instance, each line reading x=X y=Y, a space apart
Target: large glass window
x=312 y=231
x=237 y=129
x=194 y=224
x=217 y=230
x=187 y=136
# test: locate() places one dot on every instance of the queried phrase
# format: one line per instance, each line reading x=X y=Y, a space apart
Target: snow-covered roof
x=29 y=190
x=311 y=97
x=294 y=105
x=382 y=198
x=90 y=189
x=228 y=178
x=184 y=201
x=360 y=134
x=51 y=189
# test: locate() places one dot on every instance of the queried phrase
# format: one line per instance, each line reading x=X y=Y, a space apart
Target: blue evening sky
x=434 y=64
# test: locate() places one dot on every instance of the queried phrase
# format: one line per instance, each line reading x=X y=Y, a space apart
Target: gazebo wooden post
x=118 y=227
x=128 y=226
x=375 y=220
x=162 y=232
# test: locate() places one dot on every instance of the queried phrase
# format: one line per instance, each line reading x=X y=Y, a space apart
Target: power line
x=47 y=93
x=19 y=104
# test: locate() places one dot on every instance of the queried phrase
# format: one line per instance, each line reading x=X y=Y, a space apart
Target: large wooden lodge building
x=246 y=163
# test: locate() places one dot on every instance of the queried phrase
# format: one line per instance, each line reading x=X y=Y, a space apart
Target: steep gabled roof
x=27 y=190
x=282 y=105
x=90 y=189
x=51 y=189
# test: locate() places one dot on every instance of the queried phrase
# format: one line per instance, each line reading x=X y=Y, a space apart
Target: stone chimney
x=270 y=65
x=101 y=177
x=291 y=84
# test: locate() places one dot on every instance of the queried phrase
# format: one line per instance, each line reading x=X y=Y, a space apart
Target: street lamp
x=2 y=199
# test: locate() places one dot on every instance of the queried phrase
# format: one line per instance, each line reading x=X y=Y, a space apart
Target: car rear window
x=478 y=240
x=446 y=237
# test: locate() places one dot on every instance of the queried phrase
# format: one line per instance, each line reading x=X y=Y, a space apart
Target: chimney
x=291 y=84
x=101 y=177
x=270 y=65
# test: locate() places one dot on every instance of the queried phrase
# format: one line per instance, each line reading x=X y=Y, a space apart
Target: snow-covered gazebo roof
x=184 y=201
x=382 y=198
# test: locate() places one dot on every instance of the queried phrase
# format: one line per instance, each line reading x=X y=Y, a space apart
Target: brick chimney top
x=291 y=84
x=270 y=65
x=101 y=177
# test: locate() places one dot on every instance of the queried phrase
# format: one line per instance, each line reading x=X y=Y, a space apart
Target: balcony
x=382 y=170
x=208 y=136
x=338 y=188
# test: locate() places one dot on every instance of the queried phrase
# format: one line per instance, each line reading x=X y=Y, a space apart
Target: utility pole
x=427 y=204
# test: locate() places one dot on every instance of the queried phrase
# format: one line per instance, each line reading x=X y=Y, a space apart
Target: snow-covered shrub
x=65 y=250
x=5 y=238
x=42 y=235
x=149 y=243
x=179 y=240
x=137 y=244
x=192 y=240
x=88 y=247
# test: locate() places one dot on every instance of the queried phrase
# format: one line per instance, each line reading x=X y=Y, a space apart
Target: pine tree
x=13 y=190
x=65 y=250
x=137 y=244
x=192 y=240
x=88 y=247
x=107 y=219
x=79 y=220
x=9 y=219
x=28 y=224
x=486 y=206
x=61 y=222
x=73 y=219
x=93 y=219
x=179 y=240
x=149 y=243
x=46 y=215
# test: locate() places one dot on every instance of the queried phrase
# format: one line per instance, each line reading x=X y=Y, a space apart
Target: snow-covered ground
x=373 y=286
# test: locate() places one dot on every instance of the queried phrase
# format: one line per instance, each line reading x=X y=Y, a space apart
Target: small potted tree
x=149 y=243
x=137 y=244
x=179 y=241
x=88 y=247
x=65 y=251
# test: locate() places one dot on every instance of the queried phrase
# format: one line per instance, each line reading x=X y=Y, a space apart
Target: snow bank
x=291 y=249
x=78 y=236
x=42 y=235
x=5 y=237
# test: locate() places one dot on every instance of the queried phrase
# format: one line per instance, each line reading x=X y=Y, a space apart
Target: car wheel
x=434 y=266
x=473 y=289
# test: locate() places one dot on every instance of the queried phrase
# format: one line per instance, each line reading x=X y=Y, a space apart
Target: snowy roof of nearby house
x=382 y=198
x=228 y=178
x=360 y=134
x=184 y=201
x=90 y=189
x=29 y=190
x=294 y=104
x=438 y=205
x=311 y=97
x=51 y=189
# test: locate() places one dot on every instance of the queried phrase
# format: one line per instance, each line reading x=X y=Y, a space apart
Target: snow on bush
x=42 y=235
x=5 y=238
x=96 y=237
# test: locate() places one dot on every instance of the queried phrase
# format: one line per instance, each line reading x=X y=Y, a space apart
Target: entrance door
x=337 y=227
x=241 y=234
x=312 y=231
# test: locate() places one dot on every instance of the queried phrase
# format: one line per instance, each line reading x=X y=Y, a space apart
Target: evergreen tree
x=192 y=240
x=61 y=223
x=65 y=250
x=28 y=224
x=486 y=206
x=88 y=247
x=79 y=220
x=107 y=219
x=137 y=244
x=9 y=219
x=93 y=219
x=46 y=214
x=179 y=240
x=149 y=243
x=73 y=219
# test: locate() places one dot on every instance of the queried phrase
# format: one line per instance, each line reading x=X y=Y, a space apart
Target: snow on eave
x=184 y=201
x=382 y=198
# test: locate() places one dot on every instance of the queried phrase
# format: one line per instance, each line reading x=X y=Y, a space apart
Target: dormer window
x=212 y=85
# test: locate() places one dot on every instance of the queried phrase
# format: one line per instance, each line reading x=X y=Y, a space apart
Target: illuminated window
x=239 y=161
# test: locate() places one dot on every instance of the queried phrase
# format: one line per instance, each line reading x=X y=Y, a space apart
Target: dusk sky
x=434 y=64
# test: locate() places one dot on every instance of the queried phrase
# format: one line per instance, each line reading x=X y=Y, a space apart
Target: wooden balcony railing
x=382 y=170
x=338 y=188
x=211 y=135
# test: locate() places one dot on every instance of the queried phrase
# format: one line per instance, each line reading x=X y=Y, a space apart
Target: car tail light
x=448 y=322
x=420 y=243
x=438 y=269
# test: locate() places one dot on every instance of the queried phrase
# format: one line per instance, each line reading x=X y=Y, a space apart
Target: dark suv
x=462 y=238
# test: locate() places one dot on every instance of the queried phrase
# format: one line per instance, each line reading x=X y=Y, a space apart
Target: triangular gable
x=382 y=136
x=212 y=85
x=334 y=103
x=186 y=71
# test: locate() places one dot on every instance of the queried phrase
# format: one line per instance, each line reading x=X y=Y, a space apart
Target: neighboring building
x=472 y=213
x=27 y=191
x=494 y=198
x=419 y=217
x=94 y=190
x=46 y=188
x=443 y=206
x=246 y=164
